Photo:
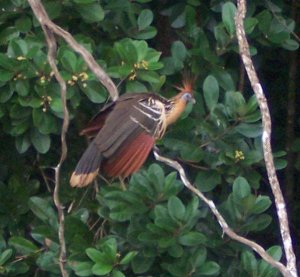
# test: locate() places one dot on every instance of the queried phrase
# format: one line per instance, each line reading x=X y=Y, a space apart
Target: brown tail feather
x=87 y=167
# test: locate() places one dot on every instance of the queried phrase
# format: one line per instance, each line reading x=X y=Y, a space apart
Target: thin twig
x=226 y=229
x=42 y=16
x=44 y=20
x=266 y=138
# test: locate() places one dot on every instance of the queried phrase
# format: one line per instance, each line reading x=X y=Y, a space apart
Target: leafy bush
x=150 y=225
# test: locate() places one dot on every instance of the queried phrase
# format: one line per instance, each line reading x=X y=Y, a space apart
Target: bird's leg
x=122 y=183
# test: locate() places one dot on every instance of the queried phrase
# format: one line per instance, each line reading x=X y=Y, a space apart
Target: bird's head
x=180 y=101
x=186 y=89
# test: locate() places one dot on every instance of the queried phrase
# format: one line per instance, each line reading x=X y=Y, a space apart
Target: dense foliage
x=151 y=225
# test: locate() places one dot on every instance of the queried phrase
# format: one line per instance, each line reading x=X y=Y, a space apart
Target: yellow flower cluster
x=19 y=76
x=239 y=155
x=46 y=100
x=83 y=76
x=140 y=65
x=44 y=78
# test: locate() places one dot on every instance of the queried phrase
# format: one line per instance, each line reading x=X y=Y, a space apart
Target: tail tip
x=81 y=180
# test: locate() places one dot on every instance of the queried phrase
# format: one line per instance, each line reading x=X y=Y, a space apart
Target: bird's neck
x=176 y=109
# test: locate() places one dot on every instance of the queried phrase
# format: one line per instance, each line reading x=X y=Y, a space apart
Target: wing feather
x=131 y=157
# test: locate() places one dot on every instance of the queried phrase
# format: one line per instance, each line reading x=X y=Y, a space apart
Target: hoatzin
x=124 y=132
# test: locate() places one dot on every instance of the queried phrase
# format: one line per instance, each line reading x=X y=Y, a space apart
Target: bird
x=124 y=132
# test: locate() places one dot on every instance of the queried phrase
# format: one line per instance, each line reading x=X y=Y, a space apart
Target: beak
x=193 y=100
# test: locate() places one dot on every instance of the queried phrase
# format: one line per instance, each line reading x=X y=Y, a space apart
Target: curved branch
x=44 y=20
x=226 y=229
x=266 y=137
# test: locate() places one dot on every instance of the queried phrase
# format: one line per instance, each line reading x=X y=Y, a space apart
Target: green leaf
x=249 y=262
x=7 y=34
x=249 y=130
x=198 y=257
x=95 y=92
x=228 y=15
x=145 y=19
x=264 y=21
x=276 y=252
x=141 y=47
x=250 y=24
x=176 y=208
x=23 y=24
x=178 y=50
x=209 y=268
x=133 y=86
x=192 y=239
x=110 y=250
x=101 y=269
x=69 y=61
x=258 y=223
x=22 y=245
x=211 y=92
x=117 y=273
x=91 y=12
x=265 y=269
x=8 y=63
x=5 y=75
x=192 y=153
x=42 y=209
x=96 y=255
x=207 y=180
x=5 y=256
x=40 y=142
x=128 y=257
x=83 y=268
x=56 y=105
x=22 y=143
x=157 y=177
x=141 y=264
x=44 y=121
x=290 y=44
x=22 y=87
x=127 y=51
x=148 y=33
x=222 y=37
x=5 y=93
x=241 y=188
x=149 y=76
x=262 y=203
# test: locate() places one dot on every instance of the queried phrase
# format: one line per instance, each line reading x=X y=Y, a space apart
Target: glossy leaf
x=145 y=19
x=176 y=208
x=211 y=91
x=228 y=16
x=241 y=188
x=5 y=256
x=22 y=245
x=192 y=239
x=40 y=142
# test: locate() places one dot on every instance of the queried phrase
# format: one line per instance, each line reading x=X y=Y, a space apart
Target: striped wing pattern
x=125 y=137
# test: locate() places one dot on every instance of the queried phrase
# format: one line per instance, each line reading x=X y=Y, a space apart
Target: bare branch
x=266 y=138
x=44 y=20
x=51 y=42
x=226 y=229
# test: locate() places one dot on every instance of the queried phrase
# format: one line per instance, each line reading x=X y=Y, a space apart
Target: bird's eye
x=187 y=96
